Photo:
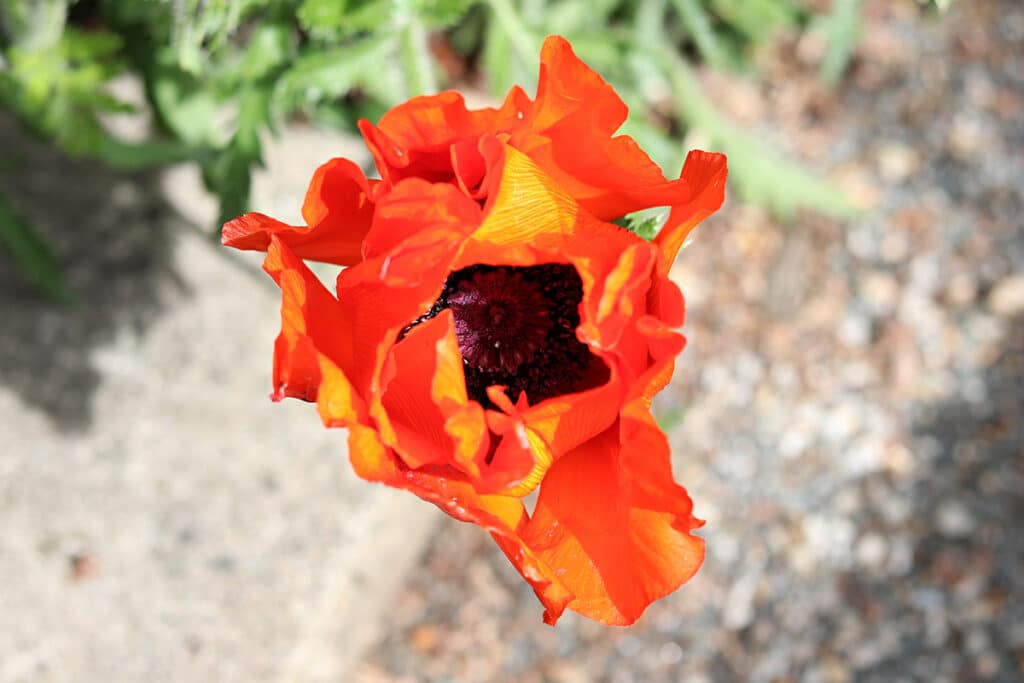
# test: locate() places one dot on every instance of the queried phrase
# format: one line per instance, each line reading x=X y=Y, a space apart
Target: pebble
x=1007 y=297
x=954 y=519
x=897 y=161
x=881 y=291
x=871 y=550
x=962 y=290
x=670 y=654
x=855 y=329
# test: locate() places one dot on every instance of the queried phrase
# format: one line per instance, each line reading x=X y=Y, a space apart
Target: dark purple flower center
x=516 y=327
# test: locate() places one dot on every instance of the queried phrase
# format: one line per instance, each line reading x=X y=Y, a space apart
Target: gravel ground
x=851 y=404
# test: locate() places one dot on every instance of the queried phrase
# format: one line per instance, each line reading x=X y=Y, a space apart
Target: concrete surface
x=162 y=519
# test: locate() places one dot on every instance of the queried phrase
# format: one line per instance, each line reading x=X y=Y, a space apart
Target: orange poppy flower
x=494 y=332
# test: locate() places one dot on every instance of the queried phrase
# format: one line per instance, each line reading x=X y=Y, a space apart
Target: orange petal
x=309 y=325
x=565 y=422
x=424 y=386
x=614 y=527
x=566 y=85
x=413 y=138
x=705 y=173
x=569 y=132
x=417 y=232
x=338 y=210
x=504 y=517
x=414 y=212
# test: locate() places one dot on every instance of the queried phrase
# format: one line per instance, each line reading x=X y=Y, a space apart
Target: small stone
x=567 y=672
x=861 y=241
x=425 y=639
x=901 y=556
x=670 y=654
x=961 y=290
x=967 y=137
x=895 y=246
x=1007 y=297
x=859 y=184
x=841 y=423
x=835 y=670
x=954 y=519
x=855 y=329
x=82 y=566
x=881 y=291
x=871 y=550
x=738 y=610
x=896 y=161
x=987 y=665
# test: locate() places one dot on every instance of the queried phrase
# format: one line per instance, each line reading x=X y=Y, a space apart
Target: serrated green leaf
x=229 y=176
x=321 y=16
x=328 y=74
x=270 y=46
x=367 y=15
x=189 y=110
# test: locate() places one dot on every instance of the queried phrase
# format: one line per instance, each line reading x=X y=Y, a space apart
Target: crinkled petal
x=309 y=316
x=414 y=138
x=338 y=210
x=569 y=132
x=705 y=173
x=417 y=232
x=504 y=517
x=613 y=526
x=423 y=383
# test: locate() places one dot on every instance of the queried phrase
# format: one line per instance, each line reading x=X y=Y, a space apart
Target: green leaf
x=320 y=17
x=203 y=27
x=669 y=417
x=33 y=24
x=229 y=175
x=327 y=74
x=841 y=29
x=645 y=224
x=698 y=25
x=756 y=19
x=32 y=255
x=270 y=46
x=190 y=111
x=440 y=12
x=138 y=156
x=367 y=16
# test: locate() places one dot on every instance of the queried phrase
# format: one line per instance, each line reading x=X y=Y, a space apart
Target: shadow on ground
x=110 y=233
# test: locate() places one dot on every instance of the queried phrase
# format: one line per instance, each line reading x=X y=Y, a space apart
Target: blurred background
x=847 y=416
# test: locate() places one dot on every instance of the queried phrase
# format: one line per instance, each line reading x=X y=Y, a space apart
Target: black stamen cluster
x=516 y=327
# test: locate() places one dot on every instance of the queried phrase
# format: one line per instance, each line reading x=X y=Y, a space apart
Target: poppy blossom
x=495 y=333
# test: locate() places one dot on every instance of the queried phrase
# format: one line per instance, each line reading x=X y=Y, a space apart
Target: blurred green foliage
x=219 y=74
